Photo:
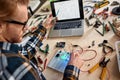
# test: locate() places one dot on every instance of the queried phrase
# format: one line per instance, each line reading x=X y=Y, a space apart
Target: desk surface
x=84 y=41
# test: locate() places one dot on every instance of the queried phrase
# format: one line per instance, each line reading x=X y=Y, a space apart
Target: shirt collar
x=9 y=47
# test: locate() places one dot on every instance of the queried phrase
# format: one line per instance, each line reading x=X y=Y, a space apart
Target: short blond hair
x=8 y=7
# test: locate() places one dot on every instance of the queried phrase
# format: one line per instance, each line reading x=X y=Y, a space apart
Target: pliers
x=103 y=64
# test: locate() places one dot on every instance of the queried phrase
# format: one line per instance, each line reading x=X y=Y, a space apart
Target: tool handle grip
x=94 y=68
x=103 y=74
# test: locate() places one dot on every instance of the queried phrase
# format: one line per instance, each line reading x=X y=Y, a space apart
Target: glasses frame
x=17 y=22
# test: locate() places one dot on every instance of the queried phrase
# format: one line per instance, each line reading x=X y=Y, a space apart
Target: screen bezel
x=80 y=9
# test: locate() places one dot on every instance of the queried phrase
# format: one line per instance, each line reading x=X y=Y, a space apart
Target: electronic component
x=60 y=44
x=46 y=49
x=59 y=61
x=101 y=4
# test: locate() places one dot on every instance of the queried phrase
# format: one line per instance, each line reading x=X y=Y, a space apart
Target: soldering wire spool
x=116 y=10
x=116 y=26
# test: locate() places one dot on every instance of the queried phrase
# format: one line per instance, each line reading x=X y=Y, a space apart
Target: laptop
x=70 y=18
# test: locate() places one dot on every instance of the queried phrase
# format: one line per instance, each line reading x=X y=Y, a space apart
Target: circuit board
x=59 y=61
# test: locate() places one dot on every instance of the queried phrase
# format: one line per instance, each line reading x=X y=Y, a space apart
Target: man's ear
x=1 y=27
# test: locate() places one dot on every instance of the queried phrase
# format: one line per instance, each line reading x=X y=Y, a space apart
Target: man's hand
x=75 y=59
x=49 y=22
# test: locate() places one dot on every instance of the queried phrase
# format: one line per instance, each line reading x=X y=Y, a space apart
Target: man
x=13 y=63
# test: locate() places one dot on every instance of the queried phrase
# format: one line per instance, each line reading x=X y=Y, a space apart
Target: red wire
x=45 y=63
x=89 y=59
x=92 y=57
x=40 y=60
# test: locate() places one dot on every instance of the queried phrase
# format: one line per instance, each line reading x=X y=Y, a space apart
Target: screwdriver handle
x=94 y=68
x=103 y=74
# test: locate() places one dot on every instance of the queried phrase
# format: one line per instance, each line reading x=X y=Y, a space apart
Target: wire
x=83 y=70
x=92 y=57
x=89 y=58
x=79 y=49
x=45 y=63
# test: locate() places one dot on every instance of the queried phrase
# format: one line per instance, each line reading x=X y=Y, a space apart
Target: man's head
x=13 y=17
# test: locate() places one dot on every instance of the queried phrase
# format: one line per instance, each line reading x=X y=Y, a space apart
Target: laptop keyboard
x=62 y=25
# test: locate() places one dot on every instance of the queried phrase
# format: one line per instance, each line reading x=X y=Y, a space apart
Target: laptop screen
x=67 y=9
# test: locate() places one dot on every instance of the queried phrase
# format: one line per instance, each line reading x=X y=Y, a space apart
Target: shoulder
x=16 y=66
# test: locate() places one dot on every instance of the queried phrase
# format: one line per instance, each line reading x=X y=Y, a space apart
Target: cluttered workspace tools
x=115 y=25
x=103 y=64
x=116 y=10
x=101 y=4
x=62 y=56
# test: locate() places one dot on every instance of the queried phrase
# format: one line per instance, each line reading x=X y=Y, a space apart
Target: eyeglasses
x=17 y=22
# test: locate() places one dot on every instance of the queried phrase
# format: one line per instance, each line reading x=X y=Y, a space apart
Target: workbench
x=85 y=41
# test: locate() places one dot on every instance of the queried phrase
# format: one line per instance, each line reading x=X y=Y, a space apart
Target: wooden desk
x=84 y=41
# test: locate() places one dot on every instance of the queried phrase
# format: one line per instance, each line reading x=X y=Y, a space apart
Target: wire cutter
x=103 y=64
